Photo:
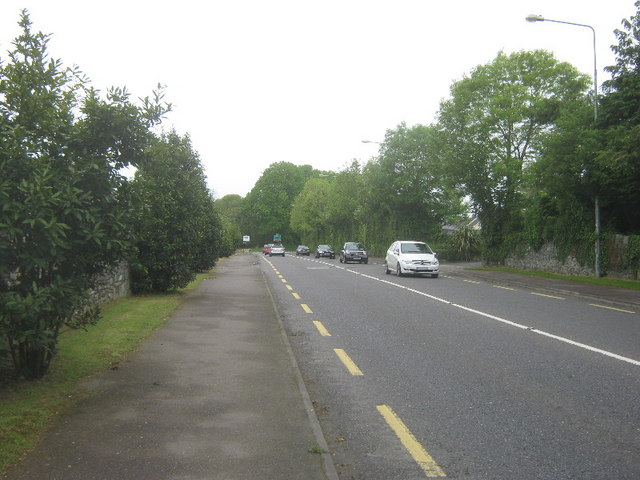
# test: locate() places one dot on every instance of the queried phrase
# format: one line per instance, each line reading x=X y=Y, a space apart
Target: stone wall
x=113 y=284
x=546 y=260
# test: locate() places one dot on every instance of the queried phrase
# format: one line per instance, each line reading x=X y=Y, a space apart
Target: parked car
x=409 y=257
x=325 y=251
x=353 y=252
x=303 y=250
x=276 y=249
x=266 y=248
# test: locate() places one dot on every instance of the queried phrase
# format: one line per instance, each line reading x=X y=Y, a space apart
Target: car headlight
x=436 y=262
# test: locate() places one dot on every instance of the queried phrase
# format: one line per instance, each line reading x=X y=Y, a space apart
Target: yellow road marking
x=323 y=331
x=548 y=296
x=283 y=280
x=350 y=364
x=279 y=276
x=417 y=451
x=289 y=287
x=611 y=308
x=306 y=308
x=295 y=295
x=504 y=288
x=471 y=281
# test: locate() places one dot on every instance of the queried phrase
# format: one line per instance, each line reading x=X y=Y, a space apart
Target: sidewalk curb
x=327 y=459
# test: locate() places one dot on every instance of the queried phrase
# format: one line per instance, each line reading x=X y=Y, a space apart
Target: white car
x=409 y=257
x=276 y=249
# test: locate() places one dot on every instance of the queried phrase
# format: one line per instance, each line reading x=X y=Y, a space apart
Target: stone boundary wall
x=112 y=284
x=546 y=260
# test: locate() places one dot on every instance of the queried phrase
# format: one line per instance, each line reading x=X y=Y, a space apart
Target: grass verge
x=606 y=281
x=28 y=408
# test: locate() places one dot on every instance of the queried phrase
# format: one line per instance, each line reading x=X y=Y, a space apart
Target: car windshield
x=324 y=247
x=417 y=247
x=354 y=246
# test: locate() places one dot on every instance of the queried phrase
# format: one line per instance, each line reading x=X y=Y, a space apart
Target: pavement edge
x=327 y=459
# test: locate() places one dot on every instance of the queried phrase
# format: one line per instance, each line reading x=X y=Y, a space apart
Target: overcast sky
x=255 y=82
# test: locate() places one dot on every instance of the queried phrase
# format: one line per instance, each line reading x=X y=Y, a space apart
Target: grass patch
x=604 y=281
x=29 y=407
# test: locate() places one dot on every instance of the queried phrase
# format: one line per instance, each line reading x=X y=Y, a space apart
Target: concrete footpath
x=214 y=394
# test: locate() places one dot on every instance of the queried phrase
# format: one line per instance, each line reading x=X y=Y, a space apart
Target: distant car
x=276 y=250
x=410 y=257
x=266 y=248
x=353 y=252
x=303 y=250
x=325 y=251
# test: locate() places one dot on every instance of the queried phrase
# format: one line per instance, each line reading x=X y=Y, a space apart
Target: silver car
x=410 y=257
x=276 y=250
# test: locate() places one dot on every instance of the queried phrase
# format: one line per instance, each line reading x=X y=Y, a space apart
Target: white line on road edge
x=505 y=321
x=514 y=324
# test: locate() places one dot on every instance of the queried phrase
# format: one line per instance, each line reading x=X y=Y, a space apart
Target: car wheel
x=435 y=275
x=398 y=270
x=386 y=268
x=341 y=260
x=366 y=261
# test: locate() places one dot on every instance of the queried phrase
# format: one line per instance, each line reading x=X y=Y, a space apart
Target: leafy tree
x=619 y=160
x=62 y=213
x=494 y=126
x=268 y=205
x=177 y=229
x=562 y=185
x=344 y=206
x=310 y=214
x=230 y=209
x=406 y=188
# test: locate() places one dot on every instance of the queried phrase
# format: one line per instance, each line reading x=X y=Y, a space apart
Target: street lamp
x=539 y=18
x=371 y=141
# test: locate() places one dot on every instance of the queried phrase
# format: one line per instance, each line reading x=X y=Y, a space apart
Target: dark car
x=325 y=251
x=353 y=252
x=303 y=250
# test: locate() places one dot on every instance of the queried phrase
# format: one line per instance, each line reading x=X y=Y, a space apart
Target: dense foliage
x=64 y=217
x=267 y=207
x=495 y=125
x=66 y=211
x=619 y=120
x=176 y=228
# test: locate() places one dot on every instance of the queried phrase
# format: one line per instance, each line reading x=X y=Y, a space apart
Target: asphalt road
x=414 y=378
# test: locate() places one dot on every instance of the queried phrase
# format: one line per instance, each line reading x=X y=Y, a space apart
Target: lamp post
x=371 y=141
x=539 y=18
